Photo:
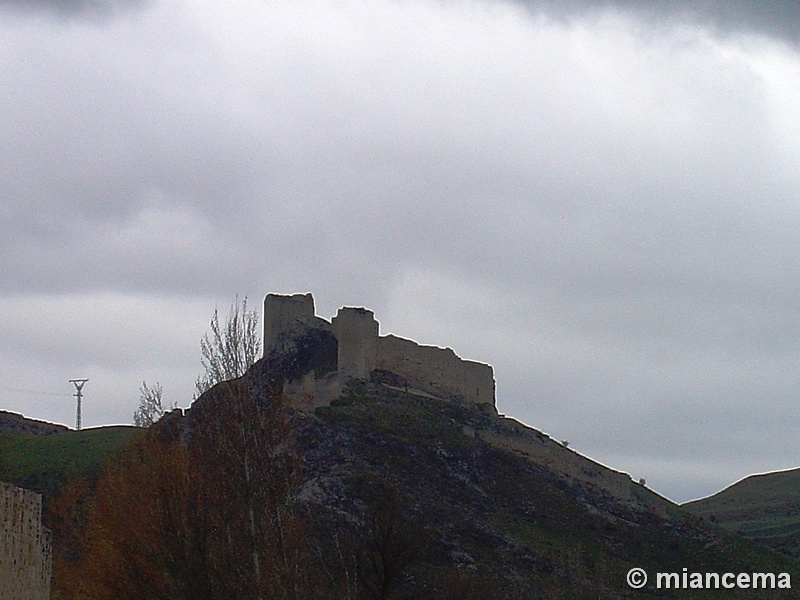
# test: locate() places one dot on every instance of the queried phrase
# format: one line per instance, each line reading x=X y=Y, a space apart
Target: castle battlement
x=361 y=350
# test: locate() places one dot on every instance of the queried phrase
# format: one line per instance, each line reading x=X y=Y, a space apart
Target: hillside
x=525 y=529
x=765 y=508
x=383 y=494
x=459 y=501
x=41 y=458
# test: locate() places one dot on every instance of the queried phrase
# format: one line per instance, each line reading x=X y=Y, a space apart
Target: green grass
x=42 y=462
x=761 y=507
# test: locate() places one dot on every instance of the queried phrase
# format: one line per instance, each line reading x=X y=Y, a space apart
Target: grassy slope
x=762 y=507
x=41 y=462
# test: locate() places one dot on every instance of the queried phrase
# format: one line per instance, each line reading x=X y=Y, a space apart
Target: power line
x=24 y=391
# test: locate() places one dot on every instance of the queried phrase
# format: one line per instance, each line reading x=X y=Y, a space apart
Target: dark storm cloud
x=72 y=8
x=779 y=19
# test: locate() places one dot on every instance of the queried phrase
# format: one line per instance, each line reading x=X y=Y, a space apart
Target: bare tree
x=390 y=543
x=231 y=348
x=150 y=408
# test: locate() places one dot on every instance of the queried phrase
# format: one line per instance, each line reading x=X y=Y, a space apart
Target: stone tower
x=357 y=332
x=280 y=310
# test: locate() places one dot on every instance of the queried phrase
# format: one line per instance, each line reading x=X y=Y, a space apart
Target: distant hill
x=765 y=508
x=10 y=421
x=40 y=456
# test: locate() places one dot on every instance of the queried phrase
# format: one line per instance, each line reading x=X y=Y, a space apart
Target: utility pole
x=79 y=383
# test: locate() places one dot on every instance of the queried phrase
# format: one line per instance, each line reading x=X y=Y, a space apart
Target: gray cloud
x=604 y=207
x=777 y=19
x=72 y=8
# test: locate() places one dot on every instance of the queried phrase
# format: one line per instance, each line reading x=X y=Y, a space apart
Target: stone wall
x=436 y=368
x=361 y=350
x=311 y=391
x=25 y=552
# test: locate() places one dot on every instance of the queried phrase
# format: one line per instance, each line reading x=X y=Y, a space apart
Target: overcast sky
x=602 y=200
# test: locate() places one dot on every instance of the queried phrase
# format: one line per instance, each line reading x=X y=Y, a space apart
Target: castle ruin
x=361 y=350
x=25 y=550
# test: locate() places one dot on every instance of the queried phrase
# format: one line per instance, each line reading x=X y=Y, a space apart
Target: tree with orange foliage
x=206 y=515
x=142 y=532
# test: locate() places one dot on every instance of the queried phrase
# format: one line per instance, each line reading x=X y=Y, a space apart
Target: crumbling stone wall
x=312 y=391
x=512 y=436
x=436 y=368
x=361 y=350
x=25 y=552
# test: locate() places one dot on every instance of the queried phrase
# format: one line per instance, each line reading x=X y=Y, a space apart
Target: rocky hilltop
x=431 y=495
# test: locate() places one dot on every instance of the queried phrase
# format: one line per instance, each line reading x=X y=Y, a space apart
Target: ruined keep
x=25 y=551
x=361 y=350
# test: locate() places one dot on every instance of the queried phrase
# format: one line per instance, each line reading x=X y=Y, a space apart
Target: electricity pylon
x=79 y=383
